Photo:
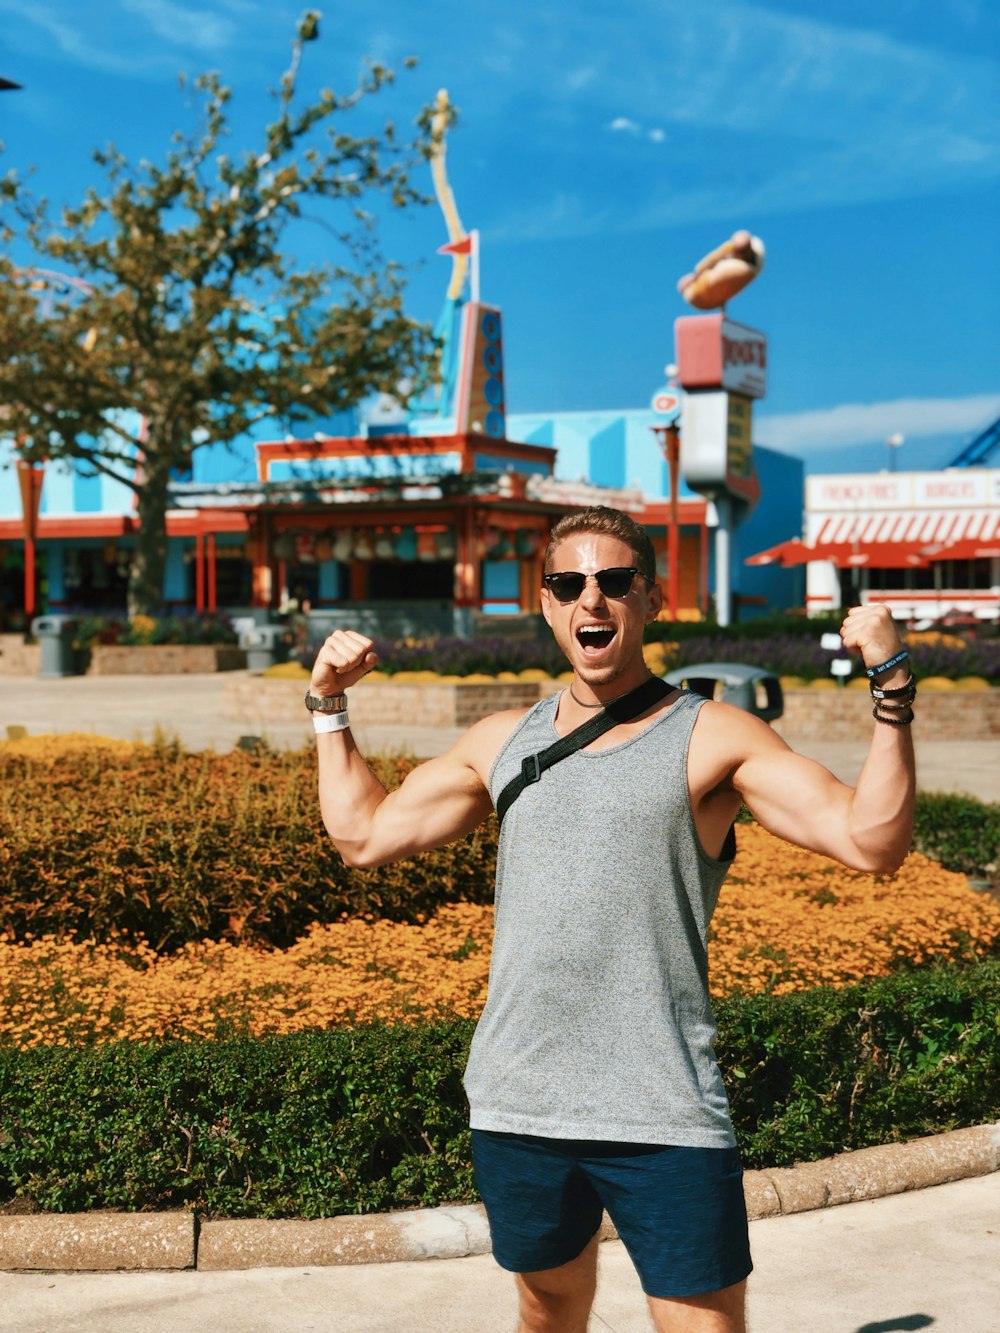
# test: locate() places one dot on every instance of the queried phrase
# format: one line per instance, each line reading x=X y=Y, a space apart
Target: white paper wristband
x=331 y=721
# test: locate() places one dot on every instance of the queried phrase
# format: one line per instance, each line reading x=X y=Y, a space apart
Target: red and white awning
x=893 y=539
x=924 y=528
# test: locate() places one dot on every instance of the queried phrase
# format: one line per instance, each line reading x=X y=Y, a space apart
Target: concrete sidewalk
x=194 y=709
x=927 y=1259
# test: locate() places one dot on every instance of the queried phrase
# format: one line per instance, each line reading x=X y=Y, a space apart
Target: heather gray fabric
x=598 y=1023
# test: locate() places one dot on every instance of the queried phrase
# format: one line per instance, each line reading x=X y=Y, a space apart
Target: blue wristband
x=893 y=661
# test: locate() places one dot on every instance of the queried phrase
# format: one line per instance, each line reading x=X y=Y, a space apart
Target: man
x=592 y=1079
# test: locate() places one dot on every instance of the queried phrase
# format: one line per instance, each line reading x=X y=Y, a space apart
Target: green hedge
x=181 y=847
x=961 y=833
x=375 y=1118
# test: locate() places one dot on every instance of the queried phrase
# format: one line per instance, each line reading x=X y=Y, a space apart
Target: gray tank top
x=598 y=1023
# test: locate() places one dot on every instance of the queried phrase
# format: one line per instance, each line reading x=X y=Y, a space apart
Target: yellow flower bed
x=786 y=920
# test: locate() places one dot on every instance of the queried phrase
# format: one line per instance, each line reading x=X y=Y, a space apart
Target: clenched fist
x=871 y=631
x=341 y=662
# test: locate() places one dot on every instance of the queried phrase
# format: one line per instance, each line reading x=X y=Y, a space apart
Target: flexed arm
x=868 y=826
x=439 y=801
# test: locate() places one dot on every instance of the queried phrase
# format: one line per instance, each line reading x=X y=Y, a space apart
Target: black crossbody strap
x=621 y=710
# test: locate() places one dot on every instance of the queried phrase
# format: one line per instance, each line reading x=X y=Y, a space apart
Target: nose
x=592 y=595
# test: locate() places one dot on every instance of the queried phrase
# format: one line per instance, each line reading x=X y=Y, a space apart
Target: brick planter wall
x=835 y=715
x=381 y=703
x=18 y=658
x=165 y=659
x=846 y=715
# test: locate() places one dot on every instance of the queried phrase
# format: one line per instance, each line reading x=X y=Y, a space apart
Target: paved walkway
x=924 y=1260
x=194 y=709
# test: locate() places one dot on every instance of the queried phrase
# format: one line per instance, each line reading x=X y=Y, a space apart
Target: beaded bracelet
x=901 y=656
x=892 y=721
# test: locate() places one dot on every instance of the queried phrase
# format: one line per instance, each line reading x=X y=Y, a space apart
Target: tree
x=194 y=318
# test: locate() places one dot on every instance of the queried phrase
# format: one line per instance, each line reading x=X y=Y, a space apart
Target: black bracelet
x=892 y=721
x=880 y=692
x=901 y=656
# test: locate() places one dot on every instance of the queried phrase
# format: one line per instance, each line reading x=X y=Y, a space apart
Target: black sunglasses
x=616 y=582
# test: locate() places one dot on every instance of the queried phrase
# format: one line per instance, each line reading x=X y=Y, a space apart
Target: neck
x=611 y=698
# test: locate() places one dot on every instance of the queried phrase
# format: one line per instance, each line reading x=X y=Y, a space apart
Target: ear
x=654 y=602
x=546 y=597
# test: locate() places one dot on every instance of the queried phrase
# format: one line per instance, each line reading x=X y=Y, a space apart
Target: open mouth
x=595 y=638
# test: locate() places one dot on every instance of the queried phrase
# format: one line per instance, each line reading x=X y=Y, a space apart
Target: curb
x=105 y=1242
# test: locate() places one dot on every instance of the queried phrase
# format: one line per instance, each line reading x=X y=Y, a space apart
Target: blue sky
x=602 y=149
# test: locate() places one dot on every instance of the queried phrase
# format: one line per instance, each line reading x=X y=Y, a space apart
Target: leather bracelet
x=909 y=687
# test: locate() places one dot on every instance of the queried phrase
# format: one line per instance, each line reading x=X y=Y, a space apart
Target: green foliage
x=792 y=652
x=962 y=833
x=793 y=624
x=182 y=847
x=142 y=630
x=311 y=1125
x=183 y=317
x=829 y=1070
x=375 y=1117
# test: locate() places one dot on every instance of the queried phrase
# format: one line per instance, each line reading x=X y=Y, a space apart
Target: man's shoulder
x=492 y=732
x=725 y=736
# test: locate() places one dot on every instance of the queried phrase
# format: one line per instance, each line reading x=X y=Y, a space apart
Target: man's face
x=601 y=636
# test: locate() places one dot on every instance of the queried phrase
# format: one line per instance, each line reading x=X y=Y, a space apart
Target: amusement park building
x=438 y=526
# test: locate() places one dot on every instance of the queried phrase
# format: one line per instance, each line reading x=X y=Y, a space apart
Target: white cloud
x=871 y=423
x=580 y=78
x=622 y=123
x=657 y=136
x=101 y=45
x=187 y=27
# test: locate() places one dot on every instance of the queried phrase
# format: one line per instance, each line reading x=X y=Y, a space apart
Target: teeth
x=601 y=634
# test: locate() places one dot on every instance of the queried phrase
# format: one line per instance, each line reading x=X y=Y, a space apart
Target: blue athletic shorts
x=679 y=1211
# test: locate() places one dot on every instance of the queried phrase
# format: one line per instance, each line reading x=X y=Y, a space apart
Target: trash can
x=266 y=645
x=55 y=637
x=750 y=688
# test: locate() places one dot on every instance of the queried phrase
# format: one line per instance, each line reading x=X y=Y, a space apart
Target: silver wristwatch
x=326 y=703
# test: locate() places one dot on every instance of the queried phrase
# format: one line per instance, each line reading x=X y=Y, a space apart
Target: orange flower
x=786 y=920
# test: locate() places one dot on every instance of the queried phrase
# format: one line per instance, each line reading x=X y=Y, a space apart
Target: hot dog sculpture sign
x=722 y=368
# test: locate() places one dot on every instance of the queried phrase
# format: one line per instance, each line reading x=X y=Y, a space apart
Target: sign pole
x=30 y=480
x=669 y=438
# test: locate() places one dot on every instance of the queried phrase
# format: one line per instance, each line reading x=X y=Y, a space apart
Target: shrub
x=141 y=630
x=375 y=1117
x=962 y=833
x=828 y=1070
x=181 y=848
x=467 y=657
x=786 y=920
x=797 y=654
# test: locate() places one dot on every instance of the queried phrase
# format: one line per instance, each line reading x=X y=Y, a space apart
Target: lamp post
x=893 y=442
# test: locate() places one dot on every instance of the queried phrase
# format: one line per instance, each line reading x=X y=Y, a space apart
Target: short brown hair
x=607 y=522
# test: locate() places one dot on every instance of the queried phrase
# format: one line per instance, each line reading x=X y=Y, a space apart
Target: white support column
x=723 y=559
